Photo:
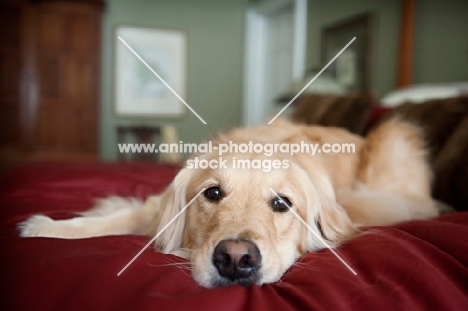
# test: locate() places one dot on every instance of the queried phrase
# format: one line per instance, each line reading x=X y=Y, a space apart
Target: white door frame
x=255 y=99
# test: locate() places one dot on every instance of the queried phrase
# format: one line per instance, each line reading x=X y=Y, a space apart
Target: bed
x=414 y=265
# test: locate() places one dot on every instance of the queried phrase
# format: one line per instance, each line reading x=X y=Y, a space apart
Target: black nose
x=237 y=260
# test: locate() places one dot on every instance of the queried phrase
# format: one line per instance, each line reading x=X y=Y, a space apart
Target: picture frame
x=137 y=91
x=353 y=68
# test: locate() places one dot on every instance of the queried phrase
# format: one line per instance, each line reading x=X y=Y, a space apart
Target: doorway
x=275 y=51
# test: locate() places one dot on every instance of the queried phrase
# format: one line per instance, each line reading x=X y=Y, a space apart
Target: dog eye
x=280 y=204
x=213 y=194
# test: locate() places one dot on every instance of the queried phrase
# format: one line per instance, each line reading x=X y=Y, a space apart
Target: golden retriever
x=239 y=232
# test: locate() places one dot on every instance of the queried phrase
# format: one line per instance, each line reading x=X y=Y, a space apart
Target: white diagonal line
x=315 y=233
x=162 y=80
x=316 y=76
x=160 y=232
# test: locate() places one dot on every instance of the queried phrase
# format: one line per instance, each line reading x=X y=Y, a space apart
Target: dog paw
x=36 y=226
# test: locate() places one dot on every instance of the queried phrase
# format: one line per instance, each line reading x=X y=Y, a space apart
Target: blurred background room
x=66 y=95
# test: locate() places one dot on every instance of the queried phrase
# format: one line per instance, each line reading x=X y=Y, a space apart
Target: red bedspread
x=414 y=265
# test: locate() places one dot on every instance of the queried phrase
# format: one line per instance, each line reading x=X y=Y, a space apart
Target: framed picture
x=137 y=91
x=352 y=68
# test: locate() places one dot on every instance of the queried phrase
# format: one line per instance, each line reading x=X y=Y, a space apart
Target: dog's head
x=238 y=231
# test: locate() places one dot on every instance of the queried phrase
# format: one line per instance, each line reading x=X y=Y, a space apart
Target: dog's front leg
x=110 y=217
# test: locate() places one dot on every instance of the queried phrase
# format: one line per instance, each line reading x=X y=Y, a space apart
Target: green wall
x=441 y=41
x=386 y=31
x=215 y=60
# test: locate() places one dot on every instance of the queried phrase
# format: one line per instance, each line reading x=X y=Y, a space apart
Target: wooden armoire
x=49 y=79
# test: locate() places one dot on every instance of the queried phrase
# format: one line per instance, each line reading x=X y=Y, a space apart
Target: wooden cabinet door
x=11 y=64
x=68 y=41
x=50 y=77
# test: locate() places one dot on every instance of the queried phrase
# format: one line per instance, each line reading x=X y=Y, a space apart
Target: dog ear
x=326 y=215
x=171 y=202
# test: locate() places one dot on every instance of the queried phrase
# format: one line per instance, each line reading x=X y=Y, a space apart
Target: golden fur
x=387 y=180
